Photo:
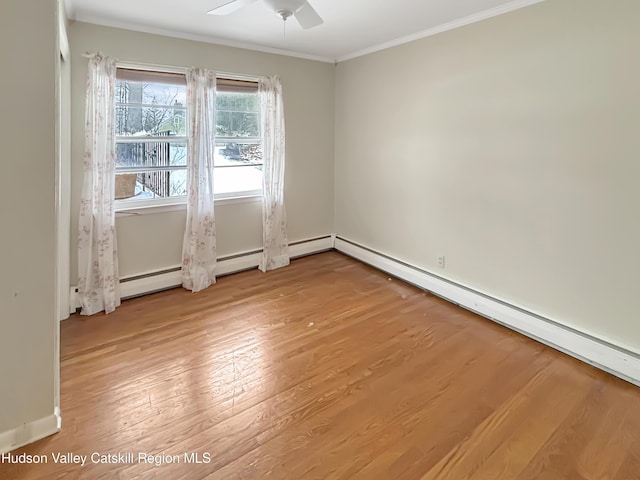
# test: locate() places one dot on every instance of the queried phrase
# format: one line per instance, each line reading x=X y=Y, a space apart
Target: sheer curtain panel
x=98 y=287
x=199 y=244
x=275 y=252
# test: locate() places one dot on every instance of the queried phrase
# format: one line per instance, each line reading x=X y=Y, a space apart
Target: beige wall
x=153 y=242
x=511 y=147
x=28 y=32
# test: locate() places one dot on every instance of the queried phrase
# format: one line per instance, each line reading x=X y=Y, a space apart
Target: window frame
x=230 y=82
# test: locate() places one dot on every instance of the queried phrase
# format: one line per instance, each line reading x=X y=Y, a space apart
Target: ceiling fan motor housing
x=285 y=7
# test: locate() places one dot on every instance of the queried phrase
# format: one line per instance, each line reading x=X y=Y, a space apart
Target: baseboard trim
x=29 y=432
x=588 y=348
x=310 y=246
x=170 y=278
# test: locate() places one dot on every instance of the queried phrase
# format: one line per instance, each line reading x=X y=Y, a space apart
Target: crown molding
x=82 y=17
x=477 y=17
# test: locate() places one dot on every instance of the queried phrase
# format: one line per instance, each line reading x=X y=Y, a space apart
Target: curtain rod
x=176 y=69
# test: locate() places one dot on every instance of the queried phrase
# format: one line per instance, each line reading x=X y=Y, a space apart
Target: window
x=152 y=138
x=238 y=152
x=151 y=135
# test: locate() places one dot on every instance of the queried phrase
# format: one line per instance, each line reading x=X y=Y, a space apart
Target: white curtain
x=199 y=245
x=98 y=286
x=274 y=217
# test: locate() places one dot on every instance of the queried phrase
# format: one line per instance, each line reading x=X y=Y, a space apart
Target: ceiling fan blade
x=225 y=7
x=308 y=17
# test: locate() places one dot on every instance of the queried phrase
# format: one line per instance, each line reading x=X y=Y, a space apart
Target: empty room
x=320 y=239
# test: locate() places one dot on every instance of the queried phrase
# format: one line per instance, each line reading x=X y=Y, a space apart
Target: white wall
x=28 y=33
x=511 y=147
x=153 y=242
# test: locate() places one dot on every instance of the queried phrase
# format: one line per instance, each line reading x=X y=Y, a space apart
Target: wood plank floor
x=328 y=369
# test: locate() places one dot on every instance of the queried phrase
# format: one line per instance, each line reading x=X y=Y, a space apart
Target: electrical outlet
x=441 y=261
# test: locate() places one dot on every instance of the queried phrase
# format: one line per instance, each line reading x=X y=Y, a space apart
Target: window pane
x=151 y=154
x=236 y=101
x=150 y=93
x=146 y=185
x=240 y=179
x=141 y=121
x=232 y=153
x=237 y=124
x=165 y=113
x=237 y=114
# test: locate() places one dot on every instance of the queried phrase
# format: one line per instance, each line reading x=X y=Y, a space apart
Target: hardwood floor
x=328 y=369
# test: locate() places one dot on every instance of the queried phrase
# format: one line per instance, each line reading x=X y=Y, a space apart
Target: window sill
x=132 y=209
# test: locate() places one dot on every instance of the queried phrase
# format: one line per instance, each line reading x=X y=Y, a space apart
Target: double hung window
x=152 y=147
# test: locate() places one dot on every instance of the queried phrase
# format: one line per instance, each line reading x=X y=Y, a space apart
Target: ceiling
x=351 y=27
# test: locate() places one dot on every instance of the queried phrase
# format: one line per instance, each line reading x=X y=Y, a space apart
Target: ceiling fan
x=301 y=9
